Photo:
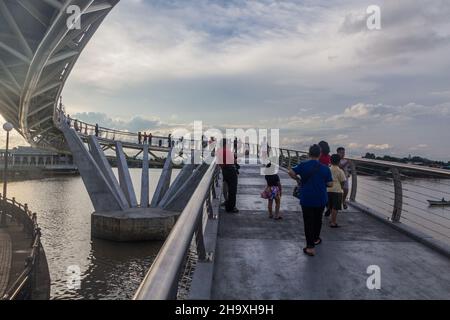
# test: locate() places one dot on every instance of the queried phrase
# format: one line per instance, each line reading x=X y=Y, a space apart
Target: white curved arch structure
x=37 y=52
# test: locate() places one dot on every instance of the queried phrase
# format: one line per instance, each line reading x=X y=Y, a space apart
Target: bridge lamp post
x=7 y=127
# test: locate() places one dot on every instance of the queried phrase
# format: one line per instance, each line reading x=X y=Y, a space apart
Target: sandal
x=279 y=218
x=308 y=253
x=334 y=226
x=319 y=241
x=270 y=216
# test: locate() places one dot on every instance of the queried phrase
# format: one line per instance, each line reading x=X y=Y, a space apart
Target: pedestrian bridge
x=249 y=256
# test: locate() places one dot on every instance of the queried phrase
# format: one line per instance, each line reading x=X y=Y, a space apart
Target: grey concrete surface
x=134 y=224
x=100 y=191
x=259 y=258
x=164 y=182
x=144 y=178
x=5 y=259
x=124 y=175
x=99 y=157
x=183 y=194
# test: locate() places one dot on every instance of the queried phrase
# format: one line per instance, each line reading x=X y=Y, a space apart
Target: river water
x=378 y=194
x=108 y=270
x=111 y=270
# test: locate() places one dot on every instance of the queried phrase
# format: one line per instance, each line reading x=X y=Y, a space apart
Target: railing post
x=209 y=207
x=398 y=196
x=354 y=181
x=213 y=189
x=199 y=239
x=289 y=159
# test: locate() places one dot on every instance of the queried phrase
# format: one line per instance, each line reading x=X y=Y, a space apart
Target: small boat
x=442 y=202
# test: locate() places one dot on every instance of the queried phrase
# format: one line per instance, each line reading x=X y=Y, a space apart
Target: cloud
x=383 y=146
x=257 y=63
x=134 y=124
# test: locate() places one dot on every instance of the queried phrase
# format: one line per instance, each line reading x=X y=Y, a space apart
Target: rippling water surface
x=109 y=270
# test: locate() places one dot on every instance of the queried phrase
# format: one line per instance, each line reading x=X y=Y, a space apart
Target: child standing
x=273 y=192
x=335 y=193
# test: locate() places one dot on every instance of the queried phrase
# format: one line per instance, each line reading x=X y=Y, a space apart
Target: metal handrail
x=161 y=281
x=29 y=220
x=108 y=133
x=394 y=171
x=391 y=164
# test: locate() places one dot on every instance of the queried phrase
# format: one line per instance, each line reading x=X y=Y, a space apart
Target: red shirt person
x=324 y=158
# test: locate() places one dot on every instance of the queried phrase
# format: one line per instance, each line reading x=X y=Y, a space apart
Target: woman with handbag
x=314 y=179
x=273 y=192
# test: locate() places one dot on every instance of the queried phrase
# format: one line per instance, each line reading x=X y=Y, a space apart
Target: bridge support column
x=182 y=195
x=124 y=175
x=102 y=196
x=144 y=178
x=164 y=181
x=100 y=158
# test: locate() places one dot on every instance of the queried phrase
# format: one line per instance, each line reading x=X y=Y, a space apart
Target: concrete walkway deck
x=14 y=249
x=259 y=258
x=5 y=259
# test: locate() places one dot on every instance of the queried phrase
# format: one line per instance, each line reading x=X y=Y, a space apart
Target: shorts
x=335 y=200
x=346 y=185
x=274 y=192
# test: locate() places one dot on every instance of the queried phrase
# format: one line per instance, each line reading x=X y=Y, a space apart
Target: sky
x=311 y=68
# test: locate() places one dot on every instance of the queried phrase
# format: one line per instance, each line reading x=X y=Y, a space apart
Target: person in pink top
x=325 y=158
x=227 y=162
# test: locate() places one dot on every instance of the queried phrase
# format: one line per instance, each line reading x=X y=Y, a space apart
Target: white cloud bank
x=254 y=63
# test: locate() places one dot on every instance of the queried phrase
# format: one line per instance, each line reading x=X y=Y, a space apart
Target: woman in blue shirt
x=314 y=179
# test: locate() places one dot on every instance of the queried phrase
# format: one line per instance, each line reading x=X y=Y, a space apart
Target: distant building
x=32 y=157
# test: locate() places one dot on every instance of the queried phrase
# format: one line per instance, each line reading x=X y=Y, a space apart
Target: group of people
x=79 y=126
x=323 y=184
x=144 y=138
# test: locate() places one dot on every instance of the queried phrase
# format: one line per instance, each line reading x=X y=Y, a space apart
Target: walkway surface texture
x=5 y=260
x=260 y=258
x=14 y=249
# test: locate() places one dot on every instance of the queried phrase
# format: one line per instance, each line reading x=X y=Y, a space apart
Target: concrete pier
x=133 y=224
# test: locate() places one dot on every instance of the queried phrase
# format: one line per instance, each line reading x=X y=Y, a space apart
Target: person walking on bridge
x=273 y=192
x=139 y=137
x=145 y=137
x=314 y=180
x=335 y=192
x=344 y=164
x=96 y=129
x=324 y=153
x=227 y=162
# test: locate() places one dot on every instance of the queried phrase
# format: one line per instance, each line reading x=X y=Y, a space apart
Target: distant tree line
x=413 y=159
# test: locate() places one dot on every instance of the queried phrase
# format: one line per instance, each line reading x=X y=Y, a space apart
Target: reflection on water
x=109 y=270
